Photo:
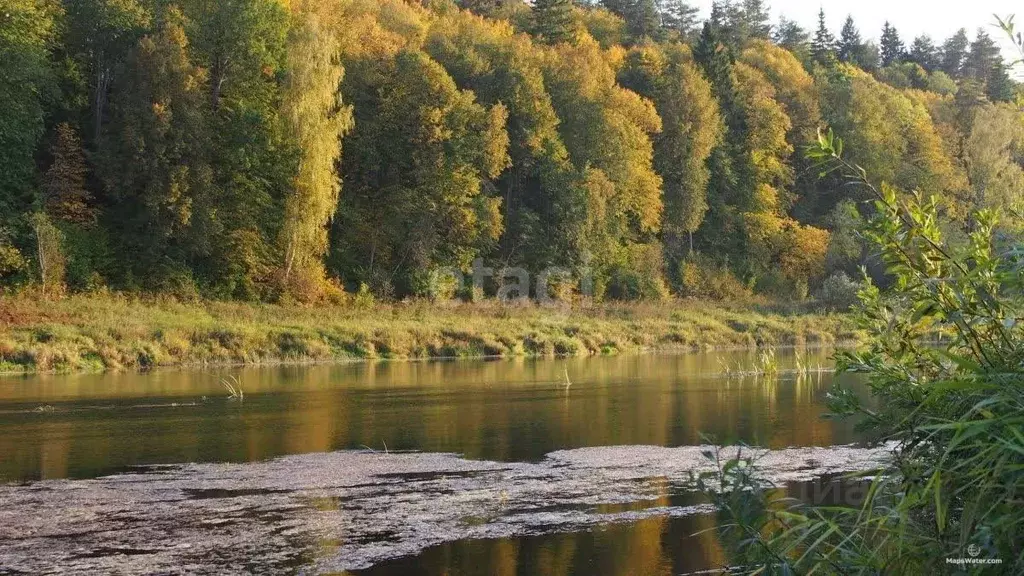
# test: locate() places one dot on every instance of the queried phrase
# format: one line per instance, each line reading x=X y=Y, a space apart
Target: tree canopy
x=268 y=150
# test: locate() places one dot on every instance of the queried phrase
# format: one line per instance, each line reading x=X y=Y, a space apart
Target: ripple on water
x=348 y=510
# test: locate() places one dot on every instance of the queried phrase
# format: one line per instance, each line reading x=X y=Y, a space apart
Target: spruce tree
x=893 y=51
x=984 y=64
x=724 y=19
x=954 y=53
x=715 y=58
x=732 y=180
x=924 y=53
x=65 y=196
x=823 y=48
x=756 y=19
x=643 y=19
x=791 y=36
x=851 y=45
x=983 y=55
x=552 y=20
x=679 y=15
x=999 y=88
x=481 y=7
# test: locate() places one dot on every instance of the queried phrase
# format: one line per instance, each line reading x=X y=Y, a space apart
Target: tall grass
x=121 y=331
x=234 y=388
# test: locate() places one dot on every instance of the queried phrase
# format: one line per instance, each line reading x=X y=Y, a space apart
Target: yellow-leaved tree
x=316 y=120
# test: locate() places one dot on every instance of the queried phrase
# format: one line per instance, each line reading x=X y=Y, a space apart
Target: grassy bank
x=103 y=332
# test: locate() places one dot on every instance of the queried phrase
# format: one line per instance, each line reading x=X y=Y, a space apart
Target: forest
x=303 y=150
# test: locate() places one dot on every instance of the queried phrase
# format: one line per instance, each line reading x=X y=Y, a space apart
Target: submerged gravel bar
x=327 y=512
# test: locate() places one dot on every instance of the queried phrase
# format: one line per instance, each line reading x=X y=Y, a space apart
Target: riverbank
x=117 y=332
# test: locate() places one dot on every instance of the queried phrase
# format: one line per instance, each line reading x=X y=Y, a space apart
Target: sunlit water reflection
x=505 y=481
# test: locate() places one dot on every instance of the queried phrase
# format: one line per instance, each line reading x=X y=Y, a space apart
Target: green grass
x=116 y=332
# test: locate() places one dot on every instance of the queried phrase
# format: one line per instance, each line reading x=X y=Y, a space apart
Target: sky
x=937 y=18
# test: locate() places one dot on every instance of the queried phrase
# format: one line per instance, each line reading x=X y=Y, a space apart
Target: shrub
x=435 y=285
x=838 y=292
x=11 y=260
x=364 y=298
x=638 y=275
x=700 y=278
x=776 y=284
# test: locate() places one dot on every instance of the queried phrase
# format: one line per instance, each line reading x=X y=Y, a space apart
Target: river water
x=460 y=467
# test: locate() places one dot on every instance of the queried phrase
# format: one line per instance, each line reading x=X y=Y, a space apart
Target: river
x=569 y=466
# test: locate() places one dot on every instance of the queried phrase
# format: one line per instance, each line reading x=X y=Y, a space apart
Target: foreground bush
x=955 y=489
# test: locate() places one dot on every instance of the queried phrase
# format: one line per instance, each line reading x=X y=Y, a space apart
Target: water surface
x=513 y=470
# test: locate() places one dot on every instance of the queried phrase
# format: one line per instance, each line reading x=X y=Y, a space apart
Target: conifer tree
x=65 y=196
x=757 y=19
x=851 y=45
x=643 y=20
x=732 y=182
x=982 y=56
x=691 y=128
x=999 y=87
x=716 y=60
x=892 y=48
x=552 y=20
x=984 y=64
x=954 y=53
x=823 y=48
x=679 y=15
x=792 y=37
x=481 y=7
x=924 y=53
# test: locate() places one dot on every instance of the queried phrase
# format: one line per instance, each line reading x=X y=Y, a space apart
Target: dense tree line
x=268 y=149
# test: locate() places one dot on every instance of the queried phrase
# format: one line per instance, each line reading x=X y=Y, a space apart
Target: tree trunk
x=217 y=76
x=99 y=101
x=42 y=255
